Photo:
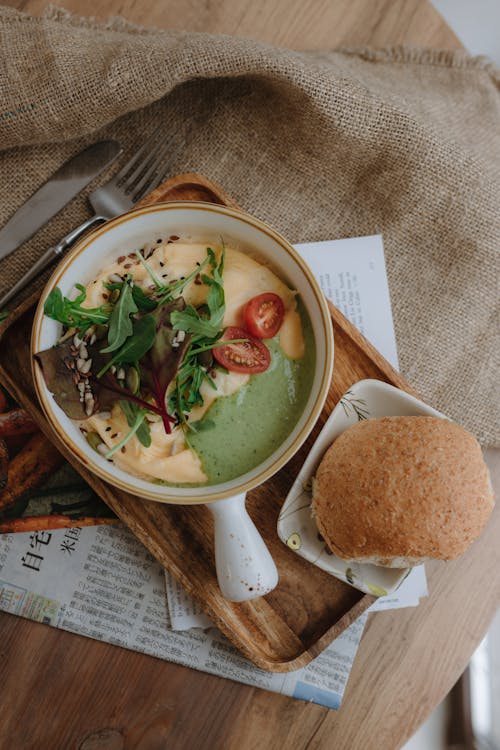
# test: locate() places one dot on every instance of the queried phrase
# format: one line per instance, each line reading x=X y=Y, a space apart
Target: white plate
x=368 y=399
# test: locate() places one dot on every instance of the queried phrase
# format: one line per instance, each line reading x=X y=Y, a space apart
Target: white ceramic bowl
x=241 y=575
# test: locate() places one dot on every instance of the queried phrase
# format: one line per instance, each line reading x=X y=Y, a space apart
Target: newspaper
x=101 y=582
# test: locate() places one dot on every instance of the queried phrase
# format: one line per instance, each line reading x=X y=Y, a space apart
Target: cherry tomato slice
x=251 y=356
x=263 y=315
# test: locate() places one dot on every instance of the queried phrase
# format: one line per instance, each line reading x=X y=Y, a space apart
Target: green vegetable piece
x=132 y=379
x=141 y=299
x=190 y=320
x=137 y=344
x=136 y=420
x=71 y=313
x=93 y=439
x=134 y=415
x=120 y=324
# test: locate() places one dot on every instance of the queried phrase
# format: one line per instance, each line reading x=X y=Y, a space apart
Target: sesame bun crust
x=398 y=491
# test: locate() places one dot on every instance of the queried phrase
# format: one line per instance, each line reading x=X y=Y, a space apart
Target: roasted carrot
x=15 y=443
x=43 y=523
x=34 y=463
x=4 y=463
x=16 y=422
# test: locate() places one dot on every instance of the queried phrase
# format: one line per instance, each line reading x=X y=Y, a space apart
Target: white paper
x=413 y=588
x=352 y=275
x=185 y=613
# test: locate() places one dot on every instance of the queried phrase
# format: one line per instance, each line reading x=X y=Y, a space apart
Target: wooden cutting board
x=287 y=628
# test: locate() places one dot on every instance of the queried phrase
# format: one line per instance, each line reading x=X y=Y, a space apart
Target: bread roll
x=398 y=491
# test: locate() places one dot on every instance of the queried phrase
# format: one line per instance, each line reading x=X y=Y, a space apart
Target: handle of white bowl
x=245 y=569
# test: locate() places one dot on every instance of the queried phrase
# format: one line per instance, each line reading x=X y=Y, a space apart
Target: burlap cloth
x=338 y=144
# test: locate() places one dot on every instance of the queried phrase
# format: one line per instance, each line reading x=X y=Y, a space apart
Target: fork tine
x=159 y=177
x=130 y=180
x=137 y=157
x=152 y=165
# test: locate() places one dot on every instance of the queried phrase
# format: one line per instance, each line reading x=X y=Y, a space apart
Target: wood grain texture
x=66 y=692
x=300 y=24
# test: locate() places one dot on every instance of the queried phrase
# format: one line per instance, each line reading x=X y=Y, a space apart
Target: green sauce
x=244 y=429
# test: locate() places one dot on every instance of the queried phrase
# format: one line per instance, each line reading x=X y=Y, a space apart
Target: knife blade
x=54 y=194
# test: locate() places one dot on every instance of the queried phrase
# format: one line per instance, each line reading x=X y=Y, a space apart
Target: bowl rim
x=158 y=493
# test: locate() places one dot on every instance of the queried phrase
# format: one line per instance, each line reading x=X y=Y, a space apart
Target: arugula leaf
x=71 y=313
x=120 y=324
x=3 y=315
x=137 y=344
x=142 y=300
x=136 y=420
x=133 y=413
x=154 y=278
x=167 y=292
x=202 y=424
x=190 y=320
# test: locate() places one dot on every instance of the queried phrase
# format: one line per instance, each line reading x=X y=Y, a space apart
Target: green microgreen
x=139 y=342
x=175 y=287
x=205 y=326
x=206 y=323
x=120 y=323
x=71 y=313
x=136 y=420
x=154 y=278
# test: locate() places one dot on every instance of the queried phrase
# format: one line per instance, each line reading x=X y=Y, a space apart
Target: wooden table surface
x=61 y=691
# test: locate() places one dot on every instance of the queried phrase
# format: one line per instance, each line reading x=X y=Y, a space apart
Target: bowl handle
x=245 y=569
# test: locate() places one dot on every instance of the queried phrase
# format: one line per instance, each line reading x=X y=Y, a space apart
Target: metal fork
x=141 y=174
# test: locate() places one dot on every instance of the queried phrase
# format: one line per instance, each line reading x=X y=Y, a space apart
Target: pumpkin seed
x=93 y=439
x=132 y=380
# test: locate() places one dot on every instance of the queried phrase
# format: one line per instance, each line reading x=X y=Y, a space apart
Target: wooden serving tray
x=290 y=626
